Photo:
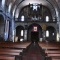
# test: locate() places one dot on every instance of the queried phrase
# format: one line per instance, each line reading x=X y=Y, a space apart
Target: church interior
x=29 y=29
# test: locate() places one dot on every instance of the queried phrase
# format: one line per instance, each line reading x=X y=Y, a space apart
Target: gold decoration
x=44 y=26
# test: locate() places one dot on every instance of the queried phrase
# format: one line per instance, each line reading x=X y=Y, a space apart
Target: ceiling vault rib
x=17 y=7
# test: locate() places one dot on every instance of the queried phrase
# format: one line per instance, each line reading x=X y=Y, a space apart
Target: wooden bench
x=15 y=45
x=52 y=50
x=49 y=46
x=55 y=58
x=54 y=54
x=9 y=53
x=10 y=50
x=5 y=57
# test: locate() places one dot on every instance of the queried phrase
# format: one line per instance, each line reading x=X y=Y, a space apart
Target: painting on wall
x=35 y=28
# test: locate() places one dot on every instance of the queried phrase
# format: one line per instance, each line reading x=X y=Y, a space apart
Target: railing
x=36 y=20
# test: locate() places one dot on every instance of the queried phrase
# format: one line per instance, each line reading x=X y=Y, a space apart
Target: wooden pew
x=53 y=55
x=55 y=58
x=15 y=45
x=9 y=53
x=5 y=57
x=52 y=50
x=11 y=49
x=49 y=46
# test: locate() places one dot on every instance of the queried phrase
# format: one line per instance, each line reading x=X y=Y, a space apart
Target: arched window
x=57 y=37
x=47 y=18
x=53 y=34
x=54 y=19
x=47 y=33
x=21 y=32
x=22 y=18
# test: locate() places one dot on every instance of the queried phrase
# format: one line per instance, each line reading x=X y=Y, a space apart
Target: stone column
x=59 y=31
x=25 y=35
x=44 y=35
x=6 y=29
x=12 y=31
x=58 y=22
x=44 y=31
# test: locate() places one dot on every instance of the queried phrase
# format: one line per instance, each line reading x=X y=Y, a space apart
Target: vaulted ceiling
x=16 y=6
x=16 y=2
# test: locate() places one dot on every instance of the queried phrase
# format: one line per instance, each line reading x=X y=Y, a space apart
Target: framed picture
x=35 y=28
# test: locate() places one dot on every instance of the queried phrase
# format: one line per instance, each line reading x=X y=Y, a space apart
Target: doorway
x=20 y=32
x=34 y=36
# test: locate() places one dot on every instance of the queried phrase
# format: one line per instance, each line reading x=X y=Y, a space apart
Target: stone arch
x=34 y=34
x=52 y=33
x=46 y=3
x=18 y=32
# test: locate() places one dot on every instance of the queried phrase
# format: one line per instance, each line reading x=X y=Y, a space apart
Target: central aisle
x=33 y=52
